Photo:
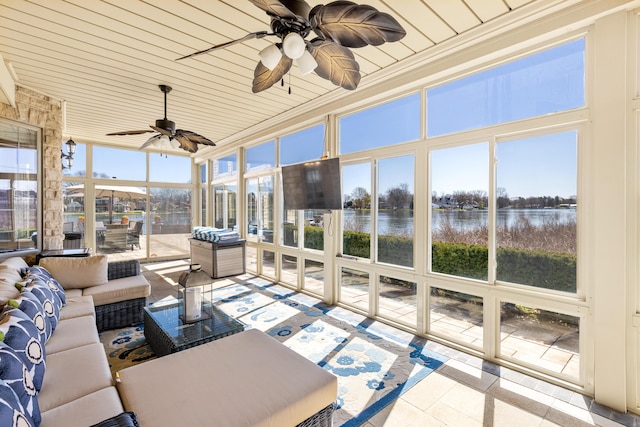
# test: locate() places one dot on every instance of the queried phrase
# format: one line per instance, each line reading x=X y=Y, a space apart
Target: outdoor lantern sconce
x=67 y=159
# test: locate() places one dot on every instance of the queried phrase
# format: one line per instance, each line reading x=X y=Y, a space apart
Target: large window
x=179 y=166
x=19 y=171
x=494 y=209
x=120 y=164
x=460 y=210
x=356 y=217
x=301 y=146
x=260 y=209
x=225 y=206
x=395 y=210
x=536 y=216
x=543 y=83
x=387 y=124
x=261 y=157
x=225 y=167
x=224 y=200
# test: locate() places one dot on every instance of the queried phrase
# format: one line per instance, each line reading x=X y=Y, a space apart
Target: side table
x=72 y=253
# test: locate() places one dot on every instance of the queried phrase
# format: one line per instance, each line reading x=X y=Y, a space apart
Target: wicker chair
x=115 y=237
x=133 y=235
x=122 y=313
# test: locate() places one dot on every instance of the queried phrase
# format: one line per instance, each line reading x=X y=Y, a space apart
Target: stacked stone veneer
x=39 y=110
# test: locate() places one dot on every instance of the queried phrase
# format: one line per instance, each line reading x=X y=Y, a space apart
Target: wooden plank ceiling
x=105 y=58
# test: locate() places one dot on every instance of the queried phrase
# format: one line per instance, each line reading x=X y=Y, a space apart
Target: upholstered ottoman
x=246 y=379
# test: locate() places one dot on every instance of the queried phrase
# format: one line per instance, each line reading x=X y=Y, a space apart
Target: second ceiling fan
x=338 y=26
x=181 y=138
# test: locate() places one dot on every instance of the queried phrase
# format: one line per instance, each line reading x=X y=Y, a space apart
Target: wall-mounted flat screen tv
x=312 y=185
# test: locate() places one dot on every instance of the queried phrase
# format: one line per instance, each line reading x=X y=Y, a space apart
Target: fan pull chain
x=289 y=81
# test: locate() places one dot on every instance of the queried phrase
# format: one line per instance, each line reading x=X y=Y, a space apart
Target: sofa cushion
x=74 y=373
x=117 y=290
x=32 y=307
x=86 y=410
x=72 y=333
x=8 y=277
x=72 y=293
x=12 y=413
x=9 y=273
x=47 y=298
x=48 y=279
x=77 y=273
x=19 y=333
x=78 y=306
x=15 y=373
x=16 y=262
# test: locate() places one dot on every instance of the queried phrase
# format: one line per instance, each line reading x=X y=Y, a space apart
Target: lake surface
x=401 y=222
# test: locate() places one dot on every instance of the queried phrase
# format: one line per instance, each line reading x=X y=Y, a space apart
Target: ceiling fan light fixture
x=174 y=143
x=270 y=56
x=293 y=45
x=306 y=63
x=159 y=142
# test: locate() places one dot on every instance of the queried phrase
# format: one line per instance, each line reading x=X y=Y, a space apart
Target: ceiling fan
x=166 y=129
x=338 y=26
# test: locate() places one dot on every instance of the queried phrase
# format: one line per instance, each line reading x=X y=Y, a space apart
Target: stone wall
x=39 y=110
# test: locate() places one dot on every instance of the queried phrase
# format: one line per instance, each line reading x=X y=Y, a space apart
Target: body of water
x=402 y=222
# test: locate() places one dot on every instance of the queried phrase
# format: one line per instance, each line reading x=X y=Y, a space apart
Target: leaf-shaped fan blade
x=162 y=131
x=256 y=35
x=335 y=63
x=354 y=25
x=263 y=78
x=130 y=132
x=150 y=141
x=189 y=140
x=276 y=8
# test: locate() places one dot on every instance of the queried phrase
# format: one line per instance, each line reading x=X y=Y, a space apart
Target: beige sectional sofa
x=245 y=379
x=77 y=388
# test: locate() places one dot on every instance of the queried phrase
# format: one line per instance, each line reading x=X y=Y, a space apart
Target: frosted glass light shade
x=306 y=63
x=164 y=139
x=293 y=45
x=270 y=56
x=174 y=143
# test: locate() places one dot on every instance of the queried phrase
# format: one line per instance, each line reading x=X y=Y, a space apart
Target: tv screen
x=312 y=185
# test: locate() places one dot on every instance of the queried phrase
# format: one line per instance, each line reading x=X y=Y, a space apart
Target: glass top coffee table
x=166 y=332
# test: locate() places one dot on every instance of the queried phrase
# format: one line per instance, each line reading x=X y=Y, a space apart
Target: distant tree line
x=479 y=199
x=399 y=197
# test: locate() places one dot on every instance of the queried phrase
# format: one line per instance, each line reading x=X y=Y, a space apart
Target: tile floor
x=465 y=391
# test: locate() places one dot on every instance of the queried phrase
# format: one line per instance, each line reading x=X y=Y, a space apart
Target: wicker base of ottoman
x=120 y=314
x=323 y=418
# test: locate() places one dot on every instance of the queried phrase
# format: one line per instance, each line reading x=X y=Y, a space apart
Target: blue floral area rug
x=374 y=363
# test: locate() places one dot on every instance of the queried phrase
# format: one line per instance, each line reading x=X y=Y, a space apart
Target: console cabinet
x=219 y=259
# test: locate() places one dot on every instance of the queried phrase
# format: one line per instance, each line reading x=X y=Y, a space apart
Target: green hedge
x=541 y=269
x=459 y=259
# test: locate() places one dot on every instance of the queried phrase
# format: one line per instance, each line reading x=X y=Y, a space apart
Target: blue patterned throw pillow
x=19 y=333
x=32 y=307
x=14 y=372
x=12 y=413
x=54 y=285
x=47 y=298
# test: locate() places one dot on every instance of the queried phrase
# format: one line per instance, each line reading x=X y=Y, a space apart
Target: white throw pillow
x=77 y=273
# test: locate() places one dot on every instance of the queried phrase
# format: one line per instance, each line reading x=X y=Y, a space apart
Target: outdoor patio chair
x=133 y=234
x=115 y=237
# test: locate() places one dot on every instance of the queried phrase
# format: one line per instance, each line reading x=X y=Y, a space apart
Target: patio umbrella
x=111 y=191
